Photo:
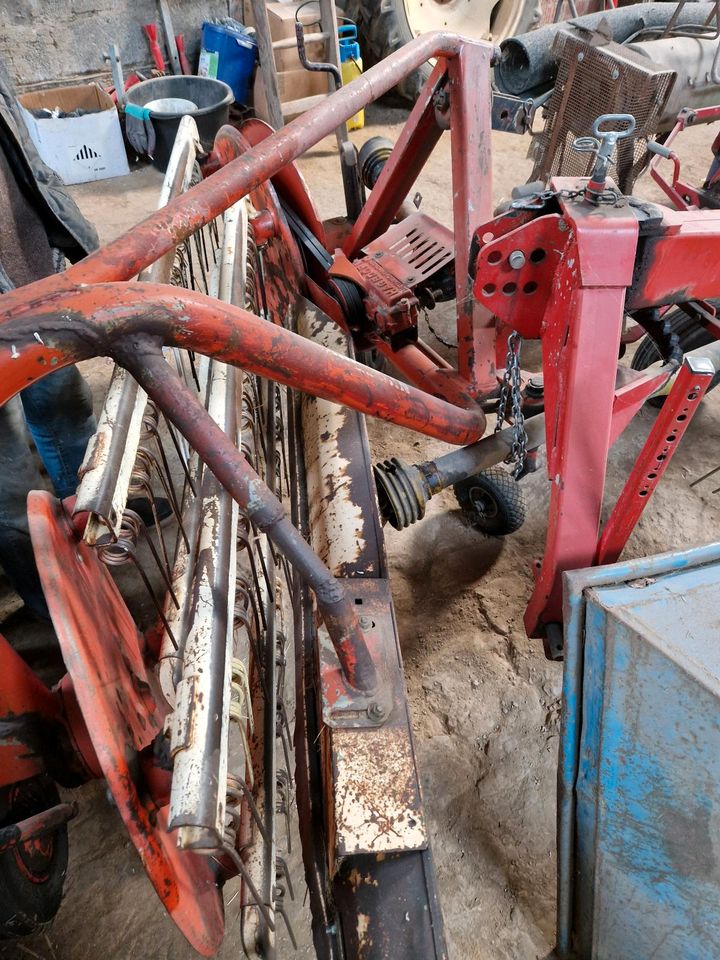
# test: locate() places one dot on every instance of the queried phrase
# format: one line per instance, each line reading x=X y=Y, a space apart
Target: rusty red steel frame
x=563 y=271
x=554 y=297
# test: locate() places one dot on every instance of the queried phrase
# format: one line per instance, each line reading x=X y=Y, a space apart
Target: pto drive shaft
x=404 y=490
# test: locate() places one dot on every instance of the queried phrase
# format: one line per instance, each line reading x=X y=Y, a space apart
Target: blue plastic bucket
x=235 y=51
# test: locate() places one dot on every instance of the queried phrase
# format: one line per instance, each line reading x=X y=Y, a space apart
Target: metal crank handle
x=608 y=140
x=627 y=118
x=309 y=64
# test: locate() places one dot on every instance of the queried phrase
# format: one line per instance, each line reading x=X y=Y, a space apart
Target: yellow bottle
x=351 y=66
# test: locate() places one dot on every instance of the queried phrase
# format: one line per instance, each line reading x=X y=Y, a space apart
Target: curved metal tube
x=80 y=322
x=164 y=229
x=142 y=356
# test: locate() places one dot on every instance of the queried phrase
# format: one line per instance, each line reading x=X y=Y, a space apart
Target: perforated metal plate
x=592 y=80
x=413 y=249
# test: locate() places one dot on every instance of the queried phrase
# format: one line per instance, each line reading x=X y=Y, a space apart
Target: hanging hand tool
x=173 y=58
x=184 y=62
x=151 y=34
x=113 y=58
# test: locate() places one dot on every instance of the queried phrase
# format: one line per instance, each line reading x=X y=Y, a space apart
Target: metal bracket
x=342 y=705
x=374 y=804
x=512 y=114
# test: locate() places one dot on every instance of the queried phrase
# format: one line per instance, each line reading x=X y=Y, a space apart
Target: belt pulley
x=347 y=294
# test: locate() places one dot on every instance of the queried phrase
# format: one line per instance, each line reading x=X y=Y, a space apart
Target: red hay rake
x=564 y=267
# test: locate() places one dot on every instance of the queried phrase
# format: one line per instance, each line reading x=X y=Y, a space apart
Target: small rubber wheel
x=31 y=874
x=690 y=336
x=492 y=502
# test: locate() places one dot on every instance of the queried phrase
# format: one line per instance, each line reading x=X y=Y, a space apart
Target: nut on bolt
x=365 y=623
x=517 y=259
x=376 y=711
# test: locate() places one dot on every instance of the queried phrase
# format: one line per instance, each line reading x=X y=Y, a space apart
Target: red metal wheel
x=31 y=871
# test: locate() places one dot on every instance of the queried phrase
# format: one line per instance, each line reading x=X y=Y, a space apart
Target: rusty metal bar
x=416 y=142
x=83 y=322
x=142 y=356
x=470 y=126
x=37 y=825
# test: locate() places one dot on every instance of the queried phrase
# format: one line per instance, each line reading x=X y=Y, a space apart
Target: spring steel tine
x=244 y=794
x=706 y=476
x=151 y=425
x=241 y=684
x=237 y=861
x=279 y=908
x=241 y=719
x=282 y=786
x=282 y=869
x=140 y=485
x=121 y=551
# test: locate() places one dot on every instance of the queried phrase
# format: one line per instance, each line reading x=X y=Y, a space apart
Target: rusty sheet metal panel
x=387 y=901
x=373 y=788
x=639 y=848
x=344 y=523
x=413 y=249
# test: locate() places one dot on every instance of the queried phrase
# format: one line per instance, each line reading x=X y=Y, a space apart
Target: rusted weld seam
x=143 y=357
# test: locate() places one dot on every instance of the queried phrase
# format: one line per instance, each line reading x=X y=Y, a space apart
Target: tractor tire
x=491 y=502
x=690 y=336
x=31 y=874
x=386 y=25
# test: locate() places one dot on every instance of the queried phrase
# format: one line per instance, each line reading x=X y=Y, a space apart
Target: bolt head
x=376 y=711
x=365 y=623
x=516 y=259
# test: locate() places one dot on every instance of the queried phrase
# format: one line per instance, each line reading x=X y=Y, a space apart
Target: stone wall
x=49 y=42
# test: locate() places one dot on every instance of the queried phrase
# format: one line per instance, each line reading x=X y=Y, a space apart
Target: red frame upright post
x=470 y=129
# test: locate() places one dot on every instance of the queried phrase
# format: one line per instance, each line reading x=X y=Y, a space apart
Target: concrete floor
x=485 y=702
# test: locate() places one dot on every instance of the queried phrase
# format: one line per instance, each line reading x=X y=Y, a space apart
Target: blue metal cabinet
x=639 y=779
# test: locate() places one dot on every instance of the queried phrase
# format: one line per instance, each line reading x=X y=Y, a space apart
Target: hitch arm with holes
x=673 y=420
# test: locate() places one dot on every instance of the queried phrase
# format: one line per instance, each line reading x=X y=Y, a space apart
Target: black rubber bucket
x=213 y=99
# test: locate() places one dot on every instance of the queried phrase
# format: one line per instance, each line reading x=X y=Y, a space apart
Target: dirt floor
x=485 y=702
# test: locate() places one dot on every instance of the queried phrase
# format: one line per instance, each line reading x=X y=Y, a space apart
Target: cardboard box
x=79 y=149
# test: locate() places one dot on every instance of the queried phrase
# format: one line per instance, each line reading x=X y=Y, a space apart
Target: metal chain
x=511 y=390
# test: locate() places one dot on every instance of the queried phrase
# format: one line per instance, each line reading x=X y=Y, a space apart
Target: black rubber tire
x=491 y=502
x=26 y=904
x=383 y=28
x=690 y=336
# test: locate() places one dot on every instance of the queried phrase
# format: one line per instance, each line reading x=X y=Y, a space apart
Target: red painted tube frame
x=468 y=69
x=164 y=229
x=45 y=333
